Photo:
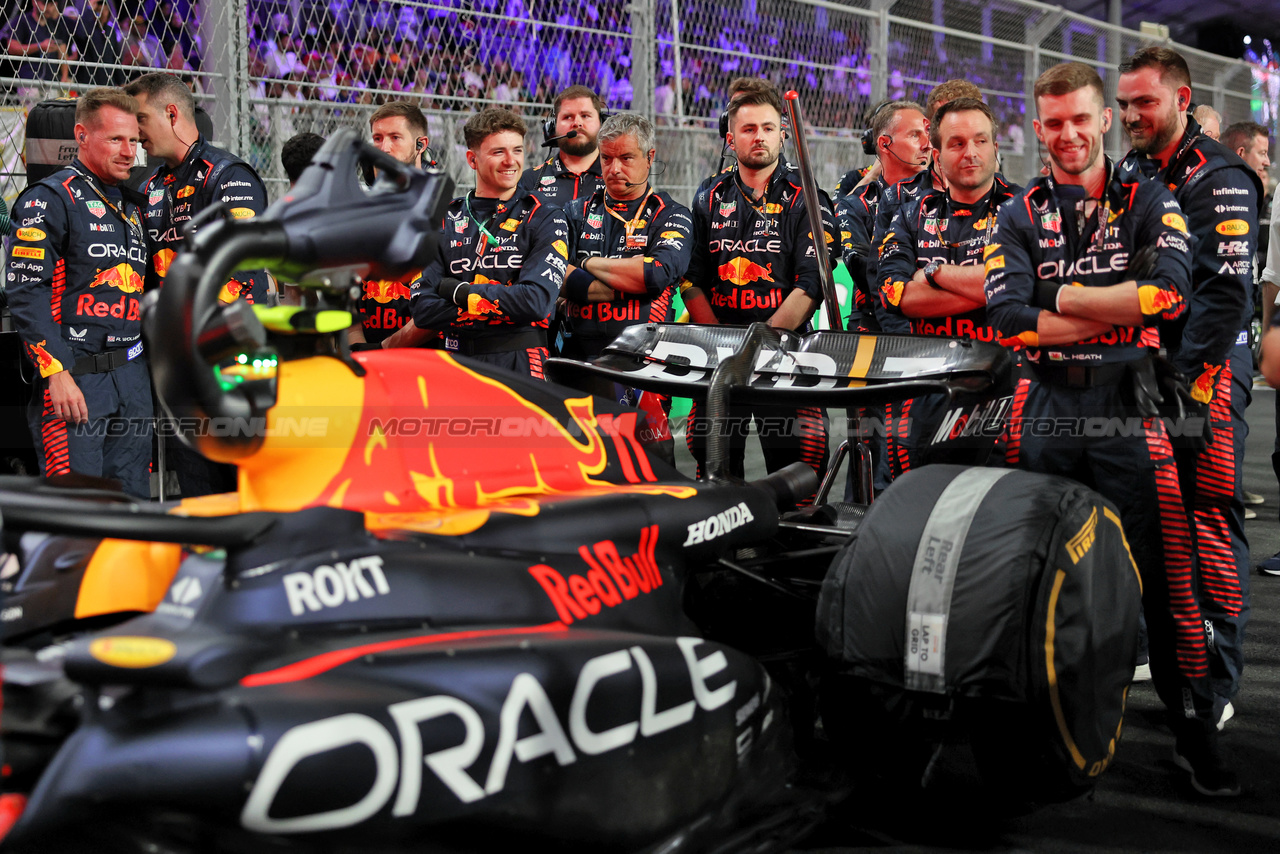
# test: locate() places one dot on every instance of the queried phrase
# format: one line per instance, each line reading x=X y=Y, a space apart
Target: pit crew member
x=1057 y=284
x=74 y=277
x=753 y=260
x=930 y=267
x=397 y=128
x=1219 y=196
x=629 y=245
x=572 y=172
x=490 y=292
x=194 y=176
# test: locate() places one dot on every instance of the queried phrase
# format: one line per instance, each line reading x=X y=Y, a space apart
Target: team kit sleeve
x=807 y=276
x=430 y=310
x=699 y=272
x=245 y=196
x=1160 y=223
x=35 y=277
x=1222 y=214
x=897 y=262
x=532 y=296
x=1010 y=278
x=670 y=249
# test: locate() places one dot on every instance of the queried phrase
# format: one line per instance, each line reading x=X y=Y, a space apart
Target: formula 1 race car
x=450 y=608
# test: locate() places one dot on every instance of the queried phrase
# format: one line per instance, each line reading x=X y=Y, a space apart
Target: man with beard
x=930 y=268
x=753 y=260
x=1219 y=196
x=397 y=128
x=574 y=171
x=1057 y=283
x=629 y=245
x=490 y=291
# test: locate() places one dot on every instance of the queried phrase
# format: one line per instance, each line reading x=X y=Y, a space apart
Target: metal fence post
x=225 y=29
x=644 y=46
x=880 y=51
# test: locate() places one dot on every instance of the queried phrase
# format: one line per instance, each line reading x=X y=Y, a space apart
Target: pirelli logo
x=1080 y=544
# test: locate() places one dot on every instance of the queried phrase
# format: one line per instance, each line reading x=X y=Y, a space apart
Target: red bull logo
x=892 y=291
x=122 y=277
x=384 y=291
x=479 y=306
x=1022 y=339
x=235 y=289
x=162 y=260
x=1202 y=387
x=46 y=363
x=742 y=271
x=1154 y=300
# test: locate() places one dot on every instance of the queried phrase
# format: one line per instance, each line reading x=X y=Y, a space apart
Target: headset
x=868 y=137
x=549 y=127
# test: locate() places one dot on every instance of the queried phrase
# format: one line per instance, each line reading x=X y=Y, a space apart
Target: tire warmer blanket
x=933 y=577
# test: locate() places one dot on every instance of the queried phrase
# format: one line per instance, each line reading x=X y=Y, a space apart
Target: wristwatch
x=930 y=270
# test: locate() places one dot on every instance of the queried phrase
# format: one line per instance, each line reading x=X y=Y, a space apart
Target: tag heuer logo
x=727 y=208
x=96 y=208
x=185 y=590
x=1052 y=221
x=595 y=220
x=548 y=179
x=460 y=226
x=155 y=196
x=931 y=225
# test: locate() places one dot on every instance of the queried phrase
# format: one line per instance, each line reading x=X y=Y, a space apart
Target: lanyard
x=762 y=209
x=1102 y=206
x=945 y=225
x=632 y=224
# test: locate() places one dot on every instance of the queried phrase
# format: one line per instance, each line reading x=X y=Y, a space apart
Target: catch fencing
x=267 y=69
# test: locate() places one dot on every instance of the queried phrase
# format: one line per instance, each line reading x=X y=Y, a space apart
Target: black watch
x=930 y=270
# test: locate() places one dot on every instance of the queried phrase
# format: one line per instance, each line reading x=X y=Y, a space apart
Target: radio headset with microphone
x=868 y=135
x=724 y=134
x=646 y=176
x=549 y=137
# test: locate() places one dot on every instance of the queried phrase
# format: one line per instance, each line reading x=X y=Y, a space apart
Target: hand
x=67 y=399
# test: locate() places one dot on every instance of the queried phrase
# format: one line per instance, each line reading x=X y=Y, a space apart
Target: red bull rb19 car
x=448 y=608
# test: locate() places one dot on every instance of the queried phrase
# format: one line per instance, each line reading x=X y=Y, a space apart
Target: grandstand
x=266 y=69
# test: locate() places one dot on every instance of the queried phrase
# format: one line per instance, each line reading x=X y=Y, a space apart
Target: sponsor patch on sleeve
x=1174 y=220
x=1232 y=227
x=36 y=252
x=242 y=213
x=30 y=234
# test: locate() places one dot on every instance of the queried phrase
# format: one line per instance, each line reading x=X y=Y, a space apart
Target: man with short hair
x=1058 y=285
x=1251 y=142
x=297 y=152
x=502 y=259
x=74 y=278
x=938 y=95
x=753 y=261
x=1210 y=121
x=930 y=265
x=397 y=128
x=900 y=134
x=193 y=177
x=1219 y=196
x=573 y=172
x=629 y=245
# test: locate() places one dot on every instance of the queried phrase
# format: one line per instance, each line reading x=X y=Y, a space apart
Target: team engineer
x=397 y=128
x=74 y=279
x=1219 y=196
x=491 y=290
x=629 y=245
x=753 y=260
x=930 y=266
x=1057 y=284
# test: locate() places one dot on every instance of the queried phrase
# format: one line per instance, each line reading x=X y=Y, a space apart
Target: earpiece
x=82 y=139
x=421 y=144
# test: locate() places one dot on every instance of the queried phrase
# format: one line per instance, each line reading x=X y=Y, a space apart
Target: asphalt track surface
x=1143 y=802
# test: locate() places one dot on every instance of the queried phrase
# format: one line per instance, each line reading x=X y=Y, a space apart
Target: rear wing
x=823 y=368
